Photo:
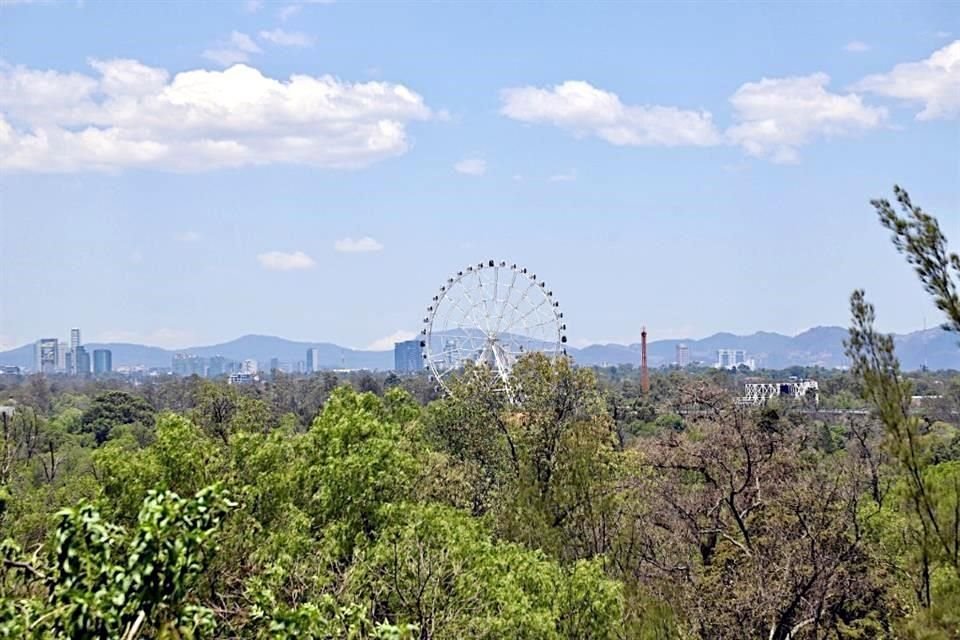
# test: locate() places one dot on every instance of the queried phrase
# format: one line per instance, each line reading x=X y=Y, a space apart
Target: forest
x=369 y=506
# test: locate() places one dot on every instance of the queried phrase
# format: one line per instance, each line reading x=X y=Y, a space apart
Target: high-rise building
x=81 y=360
x=74 y=338
x=217 y=366
x=46 y=356
x=186 y=364
x=313 y=360
x=407 y=357
x=102 y=361
x=683 y=355
x=274 y=364
x=731 y=358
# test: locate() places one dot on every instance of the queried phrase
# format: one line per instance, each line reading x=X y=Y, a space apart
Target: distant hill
x=259 y=348
x=821 y=346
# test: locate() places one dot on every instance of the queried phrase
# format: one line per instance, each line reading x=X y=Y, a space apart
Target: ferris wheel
x=490 y=314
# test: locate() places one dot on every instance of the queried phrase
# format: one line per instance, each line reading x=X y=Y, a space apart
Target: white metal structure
x=760 y=392
x=489 y=314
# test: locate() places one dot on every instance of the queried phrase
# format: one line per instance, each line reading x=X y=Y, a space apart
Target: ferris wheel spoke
x=467 y=316
x=516 y=307
x=527 y=314
x=473 y=305
x=542 y=324
x=506 y=300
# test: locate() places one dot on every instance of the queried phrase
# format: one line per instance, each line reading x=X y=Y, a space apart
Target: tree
x=102 y=581
x=355 y=462
x=113 y=408
x=741 y=512
x=921 y=528
x=439 y=569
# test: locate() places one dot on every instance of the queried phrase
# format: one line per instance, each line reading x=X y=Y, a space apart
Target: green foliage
x=355 y=461
x=113 y=408
x=917 y=525
x=102 y=581
x=439 y=569
x=328 y=620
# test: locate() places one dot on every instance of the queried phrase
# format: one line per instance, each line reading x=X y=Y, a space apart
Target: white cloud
x=365 y=244
x=386 y=343
x=244 y=42
x=294 y=8
x=286 y=38
x=188 y=237
x=288 y=12
x=471 y=166
x=934 y=83
x=127 y=114
x=225 y=56
x=942 y=34
x=237 y=49
x=856 y=46
x=568 y=176
x=583 y=109
x=280 y=261
x=778 y=115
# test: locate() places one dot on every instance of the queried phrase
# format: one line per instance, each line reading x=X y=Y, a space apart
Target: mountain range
x=822 y=346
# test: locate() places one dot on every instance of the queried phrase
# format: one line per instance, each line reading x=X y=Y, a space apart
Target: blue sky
x=181 y=173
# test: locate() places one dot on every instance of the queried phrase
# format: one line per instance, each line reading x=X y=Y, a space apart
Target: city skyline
x=594 y=144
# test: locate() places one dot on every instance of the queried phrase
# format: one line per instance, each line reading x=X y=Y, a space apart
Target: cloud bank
x=129 y=115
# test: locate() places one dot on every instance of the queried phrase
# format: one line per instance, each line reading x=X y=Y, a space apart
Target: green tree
x=921 y=527
x=438 y=568
x=114 y=408
x=356 y=459
x=102 y=581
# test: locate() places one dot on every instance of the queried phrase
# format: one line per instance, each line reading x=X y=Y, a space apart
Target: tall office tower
x=313 y=360
x=62 y=357
x=74 y=338
x=102 y=361
x=217 y=366
x=407 y=357
x=45 y=355
x=683 y=355
x=81 y=360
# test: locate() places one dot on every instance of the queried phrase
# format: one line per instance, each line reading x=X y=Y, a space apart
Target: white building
x=241 y=378
x=760 y=392
x=46 y=359
x=733 y=358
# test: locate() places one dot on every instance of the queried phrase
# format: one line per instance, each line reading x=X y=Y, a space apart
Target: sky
x=180 y=174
